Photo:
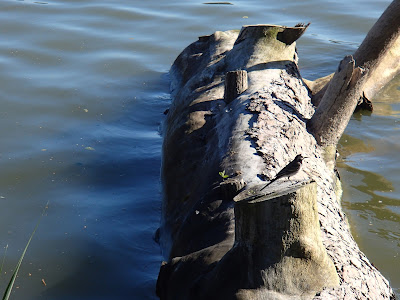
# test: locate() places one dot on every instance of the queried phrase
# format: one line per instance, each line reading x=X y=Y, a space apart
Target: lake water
x=84 y=86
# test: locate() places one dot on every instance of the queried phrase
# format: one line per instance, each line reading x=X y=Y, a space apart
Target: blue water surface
x=84 y=85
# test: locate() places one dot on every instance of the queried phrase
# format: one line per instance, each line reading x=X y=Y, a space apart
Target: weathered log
x=250 y=139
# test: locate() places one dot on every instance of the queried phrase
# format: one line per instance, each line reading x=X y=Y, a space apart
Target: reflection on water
x=369 y=168
x=349 y=145
x=371 y=182
x=388 y=100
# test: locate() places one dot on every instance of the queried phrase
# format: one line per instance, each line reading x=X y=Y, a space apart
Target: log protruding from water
x=222 y=236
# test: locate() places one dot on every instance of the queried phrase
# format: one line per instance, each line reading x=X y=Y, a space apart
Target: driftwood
x=227 y=238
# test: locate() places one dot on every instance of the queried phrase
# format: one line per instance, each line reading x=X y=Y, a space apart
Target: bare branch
x=339 y=101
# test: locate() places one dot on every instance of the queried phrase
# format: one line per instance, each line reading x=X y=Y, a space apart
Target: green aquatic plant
x=223 y=175
x=9 y=288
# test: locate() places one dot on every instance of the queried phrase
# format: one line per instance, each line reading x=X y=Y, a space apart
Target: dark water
x=83 y=88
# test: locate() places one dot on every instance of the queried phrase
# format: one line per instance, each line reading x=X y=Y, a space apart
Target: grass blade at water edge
x=9 y=288
x=4 y=258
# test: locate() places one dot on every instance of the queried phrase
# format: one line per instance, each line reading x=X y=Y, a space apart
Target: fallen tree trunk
x=223 y=235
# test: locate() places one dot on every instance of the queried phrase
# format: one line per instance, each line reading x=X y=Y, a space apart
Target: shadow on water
x=115 y=254
x=109 y=275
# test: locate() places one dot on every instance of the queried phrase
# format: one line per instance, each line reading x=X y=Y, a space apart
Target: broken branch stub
x=338 y=103
x=235 y=84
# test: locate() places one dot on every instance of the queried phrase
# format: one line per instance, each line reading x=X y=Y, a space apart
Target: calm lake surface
x=84 y=86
